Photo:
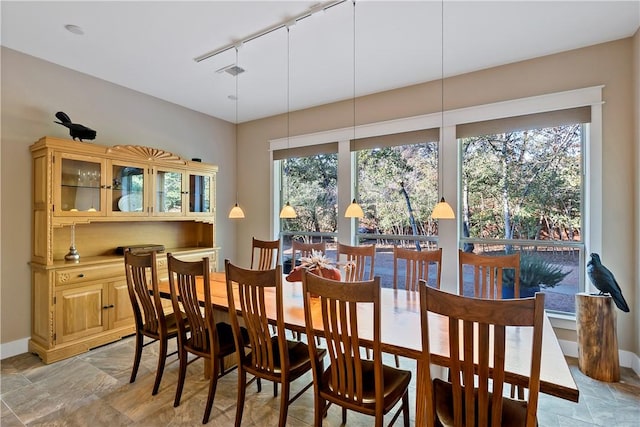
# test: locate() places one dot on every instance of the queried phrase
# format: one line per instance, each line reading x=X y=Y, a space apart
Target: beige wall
x=608 y=64
x=32 y=92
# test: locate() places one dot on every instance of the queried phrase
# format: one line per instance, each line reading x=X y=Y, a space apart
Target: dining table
x=401 y=334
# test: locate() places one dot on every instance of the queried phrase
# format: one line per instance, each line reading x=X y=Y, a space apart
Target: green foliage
x=535 y=271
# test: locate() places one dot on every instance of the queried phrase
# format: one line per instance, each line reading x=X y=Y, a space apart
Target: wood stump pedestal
x=597 y=337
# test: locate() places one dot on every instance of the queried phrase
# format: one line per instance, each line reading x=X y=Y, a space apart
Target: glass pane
x=80 y=186
x=524 y=185
x=128 y=189
x=397 y=189
x=169 y=191
x=310 y=185
x=199 y=193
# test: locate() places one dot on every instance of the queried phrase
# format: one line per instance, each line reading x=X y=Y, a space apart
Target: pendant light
x=354 y=210
x=442 y=209
x=236 y=211
x=287 y=210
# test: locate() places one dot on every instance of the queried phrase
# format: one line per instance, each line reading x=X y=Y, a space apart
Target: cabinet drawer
x=87 y=274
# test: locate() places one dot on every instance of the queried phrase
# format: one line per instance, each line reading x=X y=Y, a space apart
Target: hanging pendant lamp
x=354 y=210
x=442 y=209
x=236 y=211
x=287 y=210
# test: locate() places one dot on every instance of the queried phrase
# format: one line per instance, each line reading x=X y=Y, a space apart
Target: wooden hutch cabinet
x=98 y=199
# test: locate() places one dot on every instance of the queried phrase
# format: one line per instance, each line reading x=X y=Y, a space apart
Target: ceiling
x=150 y=46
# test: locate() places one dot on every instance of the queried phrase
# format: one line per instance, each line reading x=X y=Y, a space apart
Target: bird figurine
x=604 y=281
x=76 y=130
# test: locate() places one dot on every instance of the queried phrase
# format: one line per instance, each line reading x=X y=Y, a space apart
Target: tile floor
x=93 y=389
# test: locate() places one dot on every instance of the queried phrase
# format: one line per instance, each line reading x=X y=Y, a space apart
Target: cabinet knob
x=107 y=306
x=81 y=275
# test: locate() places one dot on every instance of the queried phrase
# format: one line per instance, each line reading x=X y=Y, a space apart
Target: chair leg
x=162 y=357
x=344 y=415
x=397 y=360
x=242 y=386
x=284 y=403
x=275 y=389
x=137 y=356
x=182 y=373
x=405 y=408
x=319 y=412
x=213 y=382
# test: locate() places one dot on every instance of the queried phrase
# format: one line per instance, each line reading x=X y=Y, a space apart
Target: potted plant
x=535 y=273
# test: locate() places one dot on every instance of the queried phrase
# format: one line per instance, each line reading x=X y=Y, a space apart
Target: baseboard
x=14 y=348
x=627 y=359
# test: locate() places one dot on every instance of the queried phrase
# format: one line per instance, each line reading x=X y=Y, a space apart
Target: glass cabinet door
x=80 y=189
x=169 y=192
x=128 y=189
x=200 y=193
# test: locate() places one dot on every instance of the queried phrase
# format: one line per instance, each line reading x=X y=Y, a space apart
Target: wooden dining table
x=401 y=334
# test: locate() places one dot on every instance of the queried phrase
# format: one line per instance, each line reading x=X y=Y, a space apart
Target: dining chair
x=477 y=342
x=360 y=261
x=207 y=339
x=488 y=273
x=488 y=281
x=265 y=254
x=150 y=318
x=273 y=358
x=301 y=250
x=410 y=266
x=365 y=386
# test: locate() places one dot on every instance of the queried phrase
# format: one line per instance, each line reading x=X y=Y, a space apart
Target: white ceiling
x=150 y=46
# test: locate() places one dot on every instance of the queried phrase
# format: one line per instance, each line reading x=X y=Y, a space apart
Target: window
x=522 y=190
x=552 y=191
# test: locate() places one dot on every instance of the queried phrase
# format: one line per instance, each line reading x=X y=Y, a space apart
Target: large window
x=522 y=191
x=522 y=175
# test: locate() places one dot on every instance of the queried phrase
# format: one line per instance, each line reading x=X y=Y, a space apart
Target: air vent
x=232 y=69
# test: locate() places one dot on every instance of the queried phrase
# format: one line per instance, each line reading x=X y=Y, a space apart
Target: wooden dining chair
x=301 y=250
x=148 y=312
x=273 y=358
x=410 y=266
x=360 y=261
x=206 y=339
x=477 y=343
x=265 y=254
x=488 y=273
x=488 y=281
x=365 y=386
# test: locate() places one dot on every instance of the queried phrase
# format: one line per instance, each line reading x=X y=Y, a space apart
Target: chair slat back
x=265 y=254
x=251 y=286
x=338 y=302
x=360 y=260
x=417 y=265
x=183 y=279
x=301 y=250
x=477 y=345
x=487 y=273
x=141 y=274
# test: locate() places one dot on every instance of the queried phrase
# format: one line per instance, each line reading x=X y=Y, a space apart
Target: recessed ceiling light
x=74 y=29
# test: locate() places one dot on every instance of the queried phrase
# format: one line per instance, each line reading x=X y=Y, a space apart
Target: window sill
x=562 y=321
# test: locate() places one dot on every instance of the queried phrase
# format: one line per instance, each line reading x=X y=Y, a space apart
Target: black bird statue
x=603 y=279
x=76 y=130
